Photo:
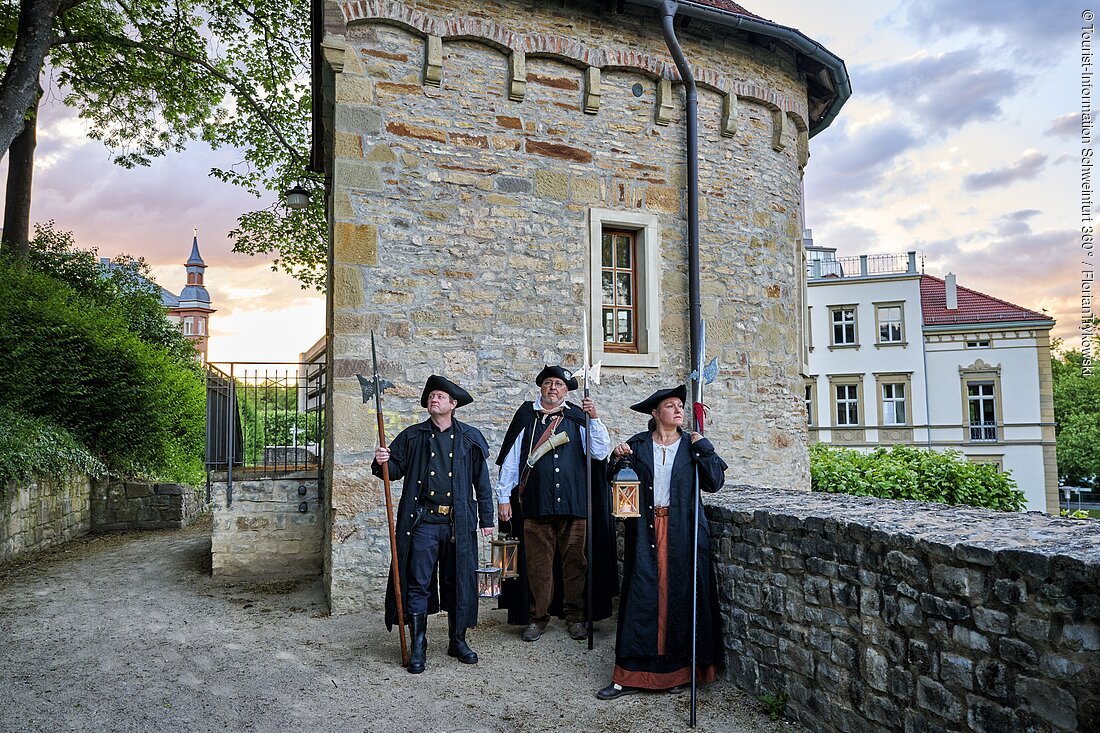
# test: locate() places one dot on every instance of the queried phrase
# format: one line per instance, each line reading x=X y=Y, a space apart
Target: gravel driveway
x=129 y=632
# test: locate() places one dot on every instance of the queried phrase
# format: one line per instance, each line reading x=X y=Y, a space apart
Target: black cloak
x=409 y=460
x=637 y=630
x=604 y=563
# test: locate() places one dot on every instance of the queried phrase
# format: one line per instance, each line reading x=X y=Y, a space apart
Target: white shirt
x=663 y=458
x=509 y=471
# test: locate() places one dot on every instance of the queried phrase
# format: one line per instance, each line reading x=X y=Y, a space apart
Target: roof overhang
x=988 y=326
x=827 y=84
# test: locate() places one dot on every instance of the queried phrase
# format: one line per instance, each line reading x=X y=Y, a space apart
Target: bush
x=30 y=447
x=903 y=472
x=78 y=364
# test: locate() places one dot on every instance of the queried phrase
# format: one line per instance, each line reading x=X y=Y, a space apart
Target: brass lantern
x=625 y=487
x=505 y=555
x=488 y=582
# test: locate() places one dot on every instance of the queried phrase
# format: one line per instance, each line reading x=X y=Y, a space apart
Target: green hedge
x=903 y=472
x=79 y=365
x=30 y=447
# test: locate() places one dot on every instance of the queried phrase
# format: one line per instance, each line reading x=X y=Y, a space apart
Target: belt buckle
x=443 y=510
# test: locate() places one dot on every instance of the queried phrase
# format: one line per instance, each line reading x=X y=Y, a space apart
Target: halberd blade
x=367 y=383
x=710 y=371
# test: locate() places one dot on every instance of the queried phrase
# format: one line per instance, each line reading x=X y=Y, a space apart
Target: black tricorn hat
x=649 y=404
x=556 y=371
x=442 y=383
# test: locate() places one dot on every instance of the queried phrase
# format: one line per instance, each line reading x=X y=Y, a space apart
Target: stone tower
x=499 y=169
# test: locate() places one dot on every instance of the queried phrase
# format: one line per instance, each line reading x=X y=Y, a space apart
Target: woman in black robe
x=653 y=641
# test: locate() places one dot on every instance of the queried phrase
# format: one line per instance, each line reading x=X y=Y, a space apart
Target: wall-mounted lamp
x=296 y=198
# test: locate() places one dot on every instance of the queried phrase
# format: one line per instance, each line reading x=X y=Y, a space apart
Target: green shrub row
x=33 y=446
x=904 y=472
x=80 y=365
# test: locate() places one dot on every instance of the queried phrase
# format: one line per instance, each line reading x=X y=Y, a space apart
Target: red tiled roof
x=730 y=7
x=974 y=307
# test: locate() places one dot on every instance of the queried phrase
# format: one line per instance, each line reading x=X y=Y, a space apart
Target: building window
x=982 y=406
x=981 y=402
x=188 y=326
x=202 y=326
x=618 y=280
x=843 y=320
x=847 y=404
x=895 y=395
x=190 y=278
x=995 y=460
x=891 y=325
x=810 y=400
x=625 y=273
x=977 y=344
x=893 y=404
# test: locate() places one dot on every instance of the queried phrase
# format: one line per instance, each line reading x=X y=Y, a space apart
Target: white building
x=897 y=356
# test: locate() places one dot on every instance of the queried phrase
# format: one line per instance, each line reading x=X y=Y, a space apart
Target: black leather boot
x=458 y=646
x=418 y=628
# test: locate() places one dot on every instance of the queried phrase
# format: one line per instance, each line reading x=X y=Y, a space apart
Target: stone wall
x=271 y=528
x=130 y=505
x=43 y=512
x=875 y=615
x=472 y=142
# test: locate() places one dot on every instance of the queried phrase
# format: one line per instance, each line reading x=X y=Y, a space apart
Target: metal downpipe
x=695 y=301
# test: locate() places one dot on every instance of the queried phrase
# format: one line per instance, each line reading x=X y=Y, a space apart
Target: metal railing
x=983 y=432
x=863 y=266
x=264 y=418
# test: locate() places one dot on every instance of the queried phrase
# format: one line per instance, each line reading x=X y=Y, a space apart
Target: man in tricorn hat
x=542 y=491
x=445 y=497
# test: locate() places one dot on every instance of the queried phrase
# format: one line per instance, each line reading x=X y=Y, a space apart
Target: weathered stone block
x=355 y=244
x=552 y=184
x=1048 y=701
x=935 y=698
x=358 y=119
x=358 y=176
x=347 y=290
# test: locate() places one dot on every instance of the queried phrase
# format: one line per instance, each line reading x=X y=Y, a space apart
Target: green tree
x=269 y=414
x=125 y=287
x=80 y=365
x=149 y=76
x=1076 y=419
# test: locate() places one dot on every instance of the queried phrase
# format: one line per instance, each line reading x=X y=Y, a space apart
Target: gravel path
x=129 y=632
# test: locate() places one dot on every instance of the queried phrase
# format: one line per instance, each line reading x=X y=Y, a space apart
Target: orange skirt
x=660 y=672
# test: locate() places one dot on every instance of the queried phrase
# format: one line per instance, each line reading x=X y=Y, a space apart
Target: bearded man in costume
x=542 y=494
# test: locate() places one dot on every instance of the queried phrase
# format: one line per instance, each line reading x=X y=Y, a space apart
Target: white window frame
x=810 y=385
x=879 y=307
x=890 y=403
x=846 y=380
x=648 y=257
x=833 y=343
x=981 y=373
x=188 y=326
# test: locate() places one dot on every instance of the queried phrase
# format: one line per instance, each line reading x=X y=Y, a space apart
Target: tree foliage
x=149 y=76
x=90 y=360
x=1076 y=419
x=269 y=415
x=904 y=472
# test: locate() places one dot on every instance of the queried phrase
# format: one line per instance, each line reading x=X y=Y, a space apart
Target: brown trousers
x=548 y=538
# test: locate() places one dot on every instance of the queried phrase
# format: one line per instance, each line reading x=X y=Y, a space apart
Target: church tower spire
x=194 y=302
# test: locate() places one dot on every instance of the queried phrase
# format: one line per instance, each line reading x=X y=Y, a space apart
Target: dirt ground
x=129 y=632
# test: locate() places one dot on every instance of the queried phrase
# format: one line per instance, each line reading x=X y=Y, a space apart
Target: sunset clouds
x=960 y=142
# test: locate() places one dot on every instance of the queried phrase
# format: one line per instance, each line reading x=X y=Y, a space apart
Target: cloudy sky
x=961 y=141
